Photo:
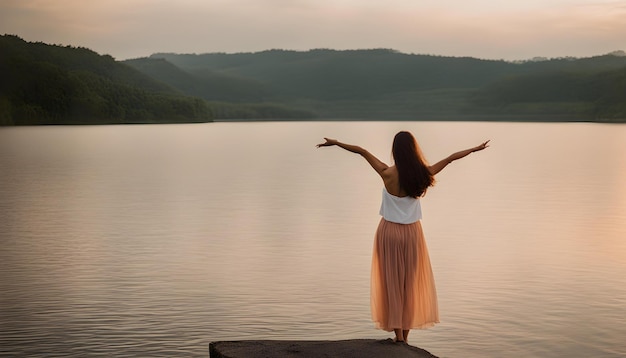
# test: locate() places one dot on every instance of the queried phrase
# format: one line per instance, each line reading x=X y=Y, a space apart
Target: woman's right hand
x=481 y=146
x=329 y=142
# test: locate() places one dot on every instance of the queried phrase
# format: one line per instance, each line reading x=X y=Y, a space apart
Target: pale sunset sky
x=489 y=29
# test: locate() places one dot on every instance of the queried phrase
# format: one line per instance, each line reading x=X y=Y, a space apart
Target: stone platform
x=361 y=348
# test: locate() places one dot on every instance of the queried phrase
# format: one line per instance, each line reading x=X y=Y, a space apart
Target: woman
x=403 y=294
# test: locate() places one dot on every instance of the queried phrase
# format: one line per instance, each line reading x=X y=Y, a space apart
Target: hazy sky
x=494 y=29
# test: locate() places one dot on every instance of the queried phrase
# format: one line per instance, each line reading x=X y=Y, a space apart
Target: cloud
x=132 y=28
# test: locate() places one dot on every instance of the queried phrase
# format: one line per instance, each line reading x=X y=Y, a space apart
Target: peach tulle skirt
x=403 y=293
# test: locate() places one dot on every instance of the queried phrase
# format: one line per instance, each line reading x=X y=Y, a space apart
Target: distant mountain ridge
x=385 y=83
x=51 y=84
x=350 y=74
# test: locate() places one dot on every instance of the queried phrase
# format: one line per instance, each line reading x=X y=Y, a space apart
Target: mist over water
x=156 y=240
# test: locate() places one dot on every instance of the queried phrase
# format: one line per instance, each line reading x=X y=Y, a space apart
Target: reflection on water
x=156 y=240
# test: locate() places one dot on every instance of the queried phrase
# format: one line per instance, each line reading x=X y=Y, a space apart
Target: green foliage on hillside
x=230 y=96
x=386 y=84
x=202 y=83
x=600 y=95
x=258 y=111
x=47 y=84
x=345 y=75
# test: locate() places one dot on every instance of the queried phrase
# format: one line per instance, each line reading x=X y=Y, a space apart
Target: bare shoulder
x=391 y=180
x=390 y=172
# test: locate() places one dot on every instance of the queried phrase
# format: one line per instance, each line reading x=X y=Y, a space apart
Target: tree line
x=52 y=84
x=48 y=84
x=387 y=84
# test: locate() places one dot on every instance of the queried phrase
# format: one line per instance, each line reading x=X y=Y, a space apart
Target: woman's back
x=391 y=181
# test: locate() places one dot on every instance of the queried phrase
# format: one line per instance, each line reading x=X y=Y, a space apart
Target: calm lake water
x=155 y=240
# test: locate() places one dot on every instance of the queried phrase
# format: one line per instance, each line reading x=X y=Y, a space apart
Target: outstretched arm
x=437 y=167
x=378 y=166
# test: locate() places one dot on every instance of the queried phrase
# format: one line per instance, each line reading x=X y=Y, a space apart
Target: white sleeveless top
x=401 y=210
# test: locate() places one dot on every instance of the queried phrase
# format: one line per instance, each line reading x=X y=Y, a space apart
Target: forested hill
x=386 y=84
x=51 y=84
x=339 y=75
x=48 y=84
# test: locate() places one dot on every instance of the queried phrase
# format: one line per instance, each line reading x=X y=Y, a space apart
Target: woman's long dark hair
x=412 y=167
